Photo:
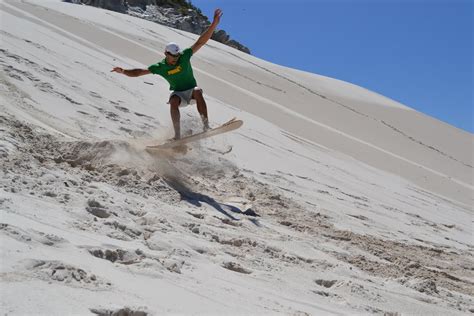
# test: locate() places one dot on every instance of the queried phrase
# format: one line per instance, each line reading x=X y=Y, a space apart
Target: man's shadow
x=197 y=199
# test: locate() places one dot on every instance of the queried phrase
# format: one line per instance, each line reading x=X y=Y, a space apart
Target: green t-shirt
x=179 y=76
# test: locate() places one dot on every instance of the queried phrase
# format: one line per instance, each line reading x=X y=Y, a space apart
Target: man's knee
x=197 y=93
x=175 y=101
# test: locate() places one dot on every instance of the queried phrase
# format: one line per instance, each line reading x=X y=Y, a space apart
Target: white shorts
x=186 y=96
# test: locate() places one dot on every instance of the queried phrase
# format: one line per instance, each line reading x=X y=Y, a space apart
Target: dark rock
x=220 y=36
x=236 y=267
x=98 y=211
x=250 y=212
x=94 y=203
x=325 y=283
x=119 y=312
x=237 y=45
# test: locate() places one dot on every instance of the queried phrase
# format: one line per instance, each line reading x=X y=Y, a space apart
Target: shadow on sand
x=197 y=199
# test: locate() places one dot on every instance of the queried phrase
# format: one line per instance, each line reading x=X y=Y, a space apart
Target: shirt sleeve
x=187 y=54
x=155 y=69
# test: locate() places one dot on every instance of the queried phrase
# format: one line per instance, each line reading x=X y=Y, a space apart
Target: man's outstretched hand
x=217 y=16
x=117 y=69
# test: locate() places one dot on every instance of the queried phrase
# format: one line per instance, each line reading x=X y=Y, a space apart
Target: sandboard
x=224 y=128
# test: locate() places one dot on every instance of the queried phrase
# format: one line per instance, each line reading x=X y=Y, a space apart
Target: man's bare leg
x=175 y=115
x=202 y=107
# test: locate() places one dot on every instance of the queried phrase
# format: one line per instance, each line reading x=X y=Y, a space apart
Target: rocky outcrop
x=179 y=14
x=222 y=37
x=185 y=19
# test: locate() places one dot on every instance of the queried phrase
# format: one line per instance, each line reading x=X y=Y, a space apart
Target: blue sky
x=418 y=52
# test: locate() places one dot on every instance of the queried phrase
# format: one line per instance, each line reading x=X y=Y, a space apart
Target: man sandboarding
x=177 y=70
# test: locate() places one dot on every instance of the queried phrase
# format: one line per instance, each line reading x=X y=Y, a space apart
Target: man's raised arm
x=131 y=72
x=208 y=33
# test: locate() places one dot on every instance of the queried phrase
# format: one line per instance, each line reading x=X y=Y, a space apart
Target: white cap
x=172 y=48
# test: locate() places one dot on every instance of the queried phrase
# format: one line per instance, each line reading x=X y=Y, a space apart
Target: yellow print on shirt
x=174 y=71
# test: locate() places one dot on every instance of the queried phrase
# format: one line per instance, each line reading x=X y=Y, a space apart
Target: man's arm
x=208 y=33
x=131 y=72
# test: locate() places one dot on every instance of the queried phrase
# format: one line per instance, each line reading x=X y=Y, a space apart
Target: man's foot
x=205 y=123
x=174 y=138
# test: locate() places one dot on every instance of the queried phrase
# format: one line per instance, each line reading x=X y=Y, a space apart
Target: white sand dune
x=331 y=199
